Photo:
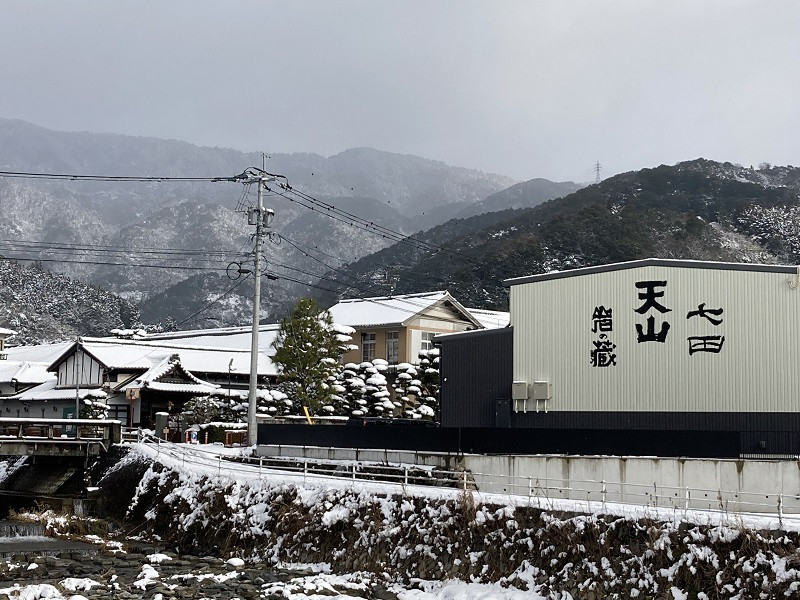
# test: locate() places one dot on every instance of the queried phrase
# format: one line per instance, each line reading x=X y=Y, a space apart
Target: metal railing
x=65 y=432
x=549 y=493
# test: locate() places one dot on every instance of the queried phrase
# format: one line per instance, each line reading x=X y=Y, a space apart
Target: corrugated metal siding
x=753 y=372
x=475 y=371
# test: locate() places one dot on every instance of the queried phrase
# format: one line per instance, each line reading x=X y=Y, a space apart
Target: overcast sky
x=522 y=88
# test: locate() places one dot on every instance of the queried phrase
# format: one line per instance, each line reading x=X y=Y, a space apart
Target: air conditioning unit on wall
x=532 y=396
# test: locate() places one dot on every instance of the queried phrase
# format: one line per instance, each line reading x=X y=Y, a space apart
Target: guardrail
x=53 y=436
x=589 y=495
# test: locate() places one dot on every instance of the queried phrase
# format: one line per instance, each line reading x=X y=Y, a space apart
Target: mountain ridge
x=696 y=209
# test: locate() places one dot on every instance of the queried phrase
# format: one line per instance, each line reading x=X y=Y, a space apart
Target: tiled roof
x=222 y=337
x=44 y=353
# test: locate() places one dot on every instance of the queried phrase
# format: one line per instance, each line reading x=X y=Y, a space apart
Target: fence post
x=405 y=475
x=354 y=471
x=780 y=510
x=603 y=493
x=219 y=464
x=465 y=479
x=686 y=498
x=530 y=487
x=260 y=467
x=305 y=470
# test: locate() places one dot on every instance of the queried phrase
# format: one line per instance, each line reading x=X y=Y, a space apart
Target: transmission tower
x=597 y=169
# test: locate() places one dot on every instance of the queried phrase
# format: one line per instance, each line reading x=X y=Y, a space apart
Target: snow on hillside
x=44 y=307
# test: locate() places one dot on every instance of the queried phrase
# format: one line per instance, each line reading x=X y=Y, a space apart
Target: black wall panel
x=475 y=370
x=491 y=440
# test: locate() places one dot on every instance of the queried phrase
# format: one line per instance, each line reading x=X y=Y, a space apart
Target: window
x=367 y=347
x=427 y=340
x=392 y=346
x=118 y=412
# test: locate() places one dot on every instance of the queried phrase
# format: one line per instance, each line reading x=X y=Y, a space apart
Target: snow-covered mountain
x=45 y=307
x=106 y=219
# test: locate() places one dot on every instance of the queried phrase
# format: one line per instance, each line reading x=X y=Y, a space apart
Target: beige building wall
x=753 y=369
x=355 y=356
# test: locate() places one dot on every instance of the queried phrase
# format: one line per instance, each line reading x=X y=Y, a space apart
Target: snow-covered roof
x=182 y=388
x=43 y=353
x=221 y=337
x=390 y=310
x=144 y=354
x=7 y=332
x=24 y=372
x=48 y=391
x=491 y=319
x=150 y=379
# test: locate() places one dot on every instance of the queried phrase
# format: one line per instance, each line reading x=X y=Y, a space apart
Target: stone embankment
x=403 y=537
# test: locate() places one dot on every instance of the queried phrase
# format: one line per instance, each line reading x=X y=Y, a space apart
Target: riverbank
x=131 y=575
x=443 y=535
x=242 y=530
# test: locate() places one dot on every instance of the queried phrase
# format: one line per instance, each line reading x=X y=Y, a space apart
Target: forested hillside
x=693 y=210
x=43 y=307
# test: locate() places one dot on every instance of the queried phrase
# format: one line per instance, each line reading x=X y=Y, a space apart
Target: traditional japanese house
x=139 y=377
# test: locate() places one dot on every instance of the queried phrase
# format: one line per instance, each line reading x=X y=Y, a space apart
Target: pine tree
x=308 y=348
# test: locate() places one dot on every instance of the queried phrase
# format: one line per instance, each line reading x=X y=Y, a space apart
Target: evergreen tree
x=429 y=389
x=308 y=348
x=416 y=387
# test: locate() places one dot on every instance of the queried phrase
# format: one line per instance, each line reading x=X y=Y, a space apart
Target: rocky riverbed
x=162 y=575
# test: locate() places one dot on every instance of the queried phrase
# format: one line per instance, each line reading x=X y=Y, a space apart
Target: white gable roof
x=387 y=310
x=491 y=319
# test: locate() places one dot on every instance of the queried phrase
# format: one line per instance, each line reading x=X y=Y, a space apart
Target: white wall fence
x=681 y=484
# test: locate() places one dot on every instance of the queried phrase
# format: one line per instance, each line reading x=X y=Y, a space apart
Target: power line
x=114 y=178
x=51 y=256
x=358 y=222
x=66 y=246
x=116 y=264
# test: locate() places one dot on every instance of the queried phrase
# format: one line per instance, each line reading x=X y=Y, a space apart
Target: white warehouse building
x=648 y=357
x=660 y=345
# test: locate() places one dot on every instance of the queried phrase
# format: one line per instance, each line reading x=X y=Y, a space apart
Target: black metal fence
x=484 y=440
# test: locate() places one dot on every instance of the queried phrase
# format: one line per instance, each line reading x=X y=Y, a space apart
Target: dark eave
x=653 y=262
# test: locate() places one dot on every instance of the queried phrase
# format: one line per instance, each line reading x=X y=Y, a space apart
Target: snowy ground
x=205 y=460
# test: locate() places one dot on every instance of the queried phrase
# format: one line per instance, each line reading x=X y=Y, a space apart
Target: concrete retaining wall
x=744 y=485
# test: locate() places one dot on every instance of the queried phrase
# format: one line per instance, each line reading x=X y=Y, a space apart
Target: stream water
x=28 y=538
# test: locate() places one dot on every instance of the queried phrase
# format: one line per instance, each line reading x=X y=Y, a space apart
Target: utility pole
x=261 y=218
x=78 y=378
x=597 y=168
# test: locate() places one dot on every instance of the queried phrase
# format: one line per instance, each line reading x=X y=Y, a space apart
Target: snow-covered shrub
x=417 y=387
x=94 y=405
